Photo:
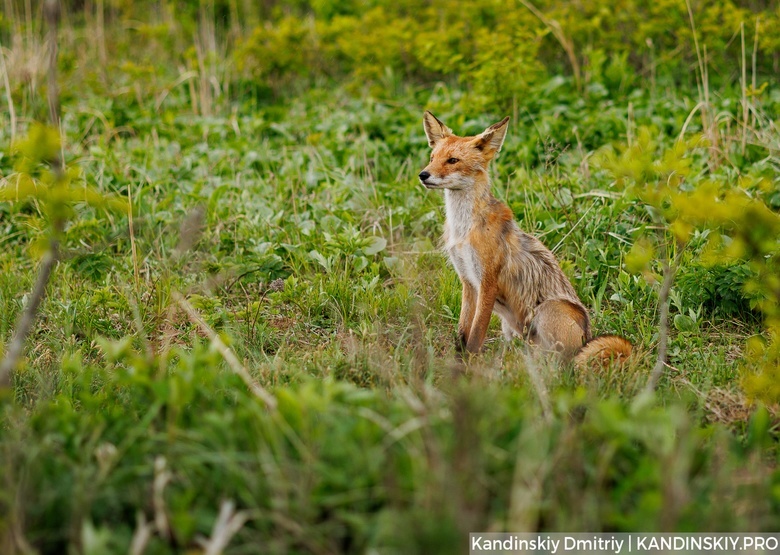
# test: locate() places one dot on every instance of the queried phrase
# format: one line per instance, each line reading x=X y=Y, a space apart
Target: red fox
x=503 y=269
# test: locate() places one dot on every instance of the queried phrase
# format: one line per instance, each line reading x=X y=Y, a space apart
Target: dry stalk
x=52 y=14
x=230 y=357
x=228 y=523
x=566 y=43
x=743 y=86
x=8 y=96
x=141 y=536
x=161 y=479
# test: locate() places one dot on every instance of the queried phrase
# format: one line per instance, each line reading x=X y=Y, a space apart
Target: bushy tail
x=603 y=350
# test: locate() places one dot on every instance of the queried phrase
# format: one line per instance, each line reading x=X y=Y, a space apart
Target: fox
x=502 y=269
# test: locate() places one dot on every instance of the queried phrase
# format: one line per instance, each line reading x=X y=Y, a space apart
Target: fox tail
x=602 y=350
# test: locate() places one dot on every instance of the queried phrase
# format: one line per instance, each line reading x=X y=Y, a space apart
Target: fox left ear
x=492 y=138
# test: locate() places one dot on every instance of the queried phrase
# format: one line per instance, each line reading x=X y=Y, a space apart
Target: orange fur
x=502 y=269
x=603 y=350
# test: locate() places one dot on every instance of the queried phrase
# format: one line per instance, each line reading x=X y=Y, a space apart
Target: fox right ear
x=434 y=129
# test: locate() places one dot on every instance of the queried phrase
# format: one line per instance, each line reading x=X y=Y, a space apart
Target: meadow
x=247 y=343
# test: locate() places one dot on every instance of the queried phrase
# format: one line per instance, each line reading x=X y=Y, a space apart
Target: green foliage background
x=260 y=158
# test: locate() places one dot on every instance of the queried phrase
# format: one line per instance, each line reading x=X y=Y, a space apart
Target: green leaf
x=378 y=245
x=640 y=257
x=684 y=323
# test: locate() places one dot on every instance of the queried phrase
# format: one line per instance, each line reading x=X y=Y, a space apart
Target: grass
x=298 y=232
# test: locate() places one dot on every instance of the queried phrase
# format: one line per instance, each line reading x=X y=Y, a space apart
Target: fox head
x=457 y=162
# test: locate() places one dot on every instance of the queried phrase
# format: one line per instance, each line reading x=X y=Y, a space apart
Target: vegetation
x=248 y=335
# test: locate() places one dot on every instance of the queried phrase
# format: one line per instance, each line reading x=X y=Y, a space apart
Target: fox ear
x=491 y=139
x=434 y=129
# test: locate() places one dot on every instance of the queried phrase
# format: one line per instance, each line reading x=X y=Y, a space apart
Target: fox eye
x=453 y=161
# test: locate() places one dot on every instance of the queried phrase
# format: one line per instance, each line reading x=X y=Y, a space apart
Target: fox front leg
x=484 y=309
x=468 y=306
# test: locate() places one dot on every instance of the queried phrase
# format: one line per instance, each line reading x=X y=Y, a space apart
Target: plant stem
x=663 y=321
x=27 y=318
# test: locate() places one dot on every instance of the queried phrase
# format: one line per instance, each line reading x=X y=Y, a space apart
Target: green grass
x=298 y=231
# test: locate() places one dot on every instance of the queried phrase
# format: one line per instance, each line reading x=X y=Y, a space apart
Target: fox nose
x=424 y=175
